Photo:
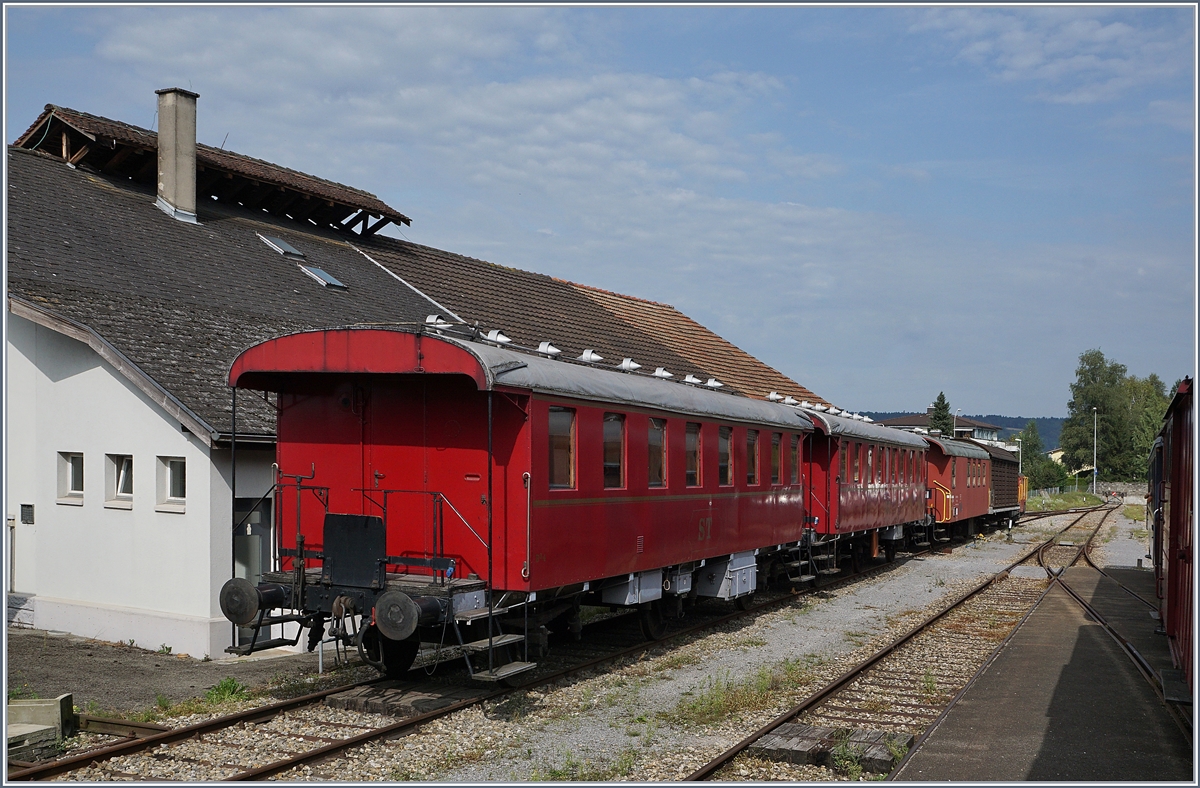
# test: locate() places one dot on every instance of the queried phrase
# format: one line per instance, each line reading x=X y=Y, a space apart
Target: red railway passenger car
x=1172 y=508
x=867 y=482
x=503 y=488
x=958 y=475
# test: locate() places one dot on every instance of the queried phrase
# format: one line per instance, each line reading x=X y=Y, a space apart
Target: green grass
x=587 y=771
x=1061 y=502
x=1135 y=513
x=718 y=698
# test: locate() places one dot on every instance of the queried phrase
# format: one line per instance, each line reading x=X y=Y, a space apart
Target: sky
x=883 y=203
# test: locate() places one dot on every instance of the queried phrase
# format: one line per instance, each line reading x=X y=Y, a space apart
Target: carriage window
x=895 y=456
x=658 y=452
x=842 y=467
x=795 y=467
x=953 y=472
x=880 y=465
x=776 y=439
x=724 y=461
x=751 y=456
x=562 y=448
x=692 y=452
x=870 y=464
x=856 y=462
x=614 y=450
x=912 y=467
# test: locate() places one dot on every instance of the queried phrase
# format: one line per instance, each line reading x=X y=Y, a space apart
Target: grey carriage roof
x=996 y=452
x=958 y=448
x=865 y=430
x=566 y=379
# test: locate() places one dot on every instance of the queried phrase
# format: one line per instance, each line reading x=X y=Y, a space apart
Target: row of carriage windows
x=562 y=453
x=868 y=464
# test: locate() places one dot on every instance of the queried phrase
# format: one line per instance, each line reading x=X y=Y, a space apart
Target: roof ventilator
x=775 y=396
x=436 y=323
x=695 y=381
x=628 y=365
x=660 y=372
x=713 y=383
x=791 y=401
x=497 y=337
x=589 y=356
x=548 y=350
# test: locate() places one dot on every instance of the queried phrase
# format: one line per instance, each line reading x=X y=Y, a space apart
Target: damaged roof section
x=126 y=151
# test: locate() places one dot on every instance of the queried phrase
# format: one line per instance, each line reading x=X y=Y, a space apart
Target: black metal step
x=261 y=645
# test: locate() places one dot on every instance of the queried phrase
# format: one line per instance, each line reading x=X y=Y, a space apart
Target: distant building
x=964 y=426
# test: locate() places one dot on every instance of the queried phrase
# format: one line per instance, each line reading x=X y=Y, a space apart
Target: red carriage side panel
x=583 y=529
x=1178 y=519
x=957 y=474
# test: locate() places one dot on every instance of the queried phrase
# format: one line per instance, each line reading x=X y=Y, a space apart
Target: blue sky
x=884 y=203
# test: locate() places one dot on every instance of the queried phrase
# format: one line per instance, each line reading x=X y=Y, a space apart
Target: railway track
x=263 y=742
x=884 y=703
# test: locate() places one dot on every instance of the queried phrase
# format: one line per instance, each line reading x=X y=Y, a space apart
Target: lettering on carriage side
x=704 y=521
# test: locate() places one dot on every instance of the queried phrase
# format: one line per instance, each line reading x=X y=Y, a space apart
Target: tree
x=1041 y=471
x=1128 y=414
x=940 y=418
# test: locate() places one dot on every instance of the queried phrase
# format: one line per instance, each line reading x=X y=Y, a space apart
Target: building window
x=614 y=450
x=751 y=456
x=724 y=461
x=657 y=442
x=692 y=455
x=776 y=439
x=118 y=481
x=562 y=448
x=70 y=478
x=795 y=458
x=172 y=484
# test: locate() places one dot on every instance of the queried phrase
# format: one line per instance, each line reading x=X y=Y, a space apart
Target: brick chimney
x=177 y=153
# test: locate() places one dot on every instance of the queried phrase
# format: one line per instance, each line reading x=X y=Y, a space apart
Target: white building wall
x=143 y=572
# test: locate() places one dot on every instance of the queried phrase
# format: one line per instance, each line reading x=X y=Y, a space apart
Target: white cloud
x=1077 y=55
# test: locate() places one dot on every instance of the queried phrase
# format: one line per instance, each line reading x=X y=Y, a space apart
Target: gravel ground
x=1122 y=542
x=118 y=677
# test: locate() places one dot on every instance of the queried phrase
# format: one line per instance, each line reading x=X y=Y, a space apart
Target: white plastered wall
x=114 y=574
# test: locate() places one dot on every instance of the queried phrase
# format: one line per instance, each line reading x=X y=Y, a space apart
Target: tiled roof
x=180 y=300
x=532 y=308
x=702 y=347
x=216 y=158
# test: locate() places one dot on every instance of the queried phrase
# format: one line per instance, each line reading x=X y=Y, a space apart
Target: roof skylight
x=281 y=246
x=326 y=279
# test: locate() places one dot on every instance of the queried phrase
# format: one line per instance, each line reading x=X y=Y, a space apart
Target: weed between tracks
x=588 y=771
x=718 y=698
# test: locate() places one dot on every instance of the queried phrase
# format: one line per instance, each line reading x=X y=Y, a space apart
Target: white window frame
x=114 y=470
x=165 y=501
x=67 y=494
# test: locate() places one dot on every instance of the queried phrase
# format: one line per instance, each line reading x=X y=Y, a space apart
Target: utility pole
x=954 y=424
x=1095 y=470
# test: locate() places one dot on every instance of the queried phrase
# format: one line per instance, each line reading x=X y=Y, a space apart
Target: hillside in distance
x=1049 y=429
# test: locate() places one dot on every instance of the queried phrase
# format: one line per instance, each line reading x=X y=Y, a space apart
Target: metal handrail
x=528 y=479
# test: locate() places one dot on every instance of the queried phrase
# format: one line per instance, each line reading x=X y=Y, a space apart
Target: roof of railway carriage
x=379 y=350
x=177 y=302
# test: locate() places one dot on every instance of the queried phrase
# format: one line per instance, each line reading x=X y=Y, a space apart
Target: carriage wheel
x=393 y=658
x=744 y=602
x=889 y=550
x=652 y=621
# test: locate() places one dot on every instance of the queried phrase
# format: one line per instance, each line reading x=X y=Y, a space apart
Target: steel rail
x=853 y=673
x=334 y=748
x=920 y=741
x=53 y=768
